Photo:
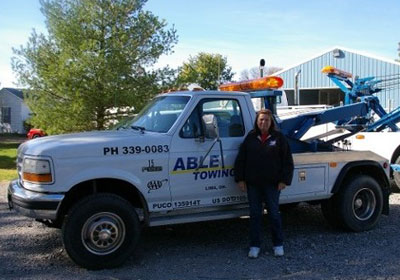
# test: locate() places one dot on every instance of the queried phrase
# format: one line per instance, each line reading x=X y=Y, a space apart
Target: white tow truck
x=174 y=164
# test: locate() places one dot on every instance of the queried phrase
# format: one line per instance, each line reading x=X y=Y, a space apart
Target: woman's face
x=263 y=123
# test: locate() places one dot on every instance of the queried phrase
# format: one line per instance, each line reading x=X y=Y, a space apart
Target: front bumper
x=33 y=204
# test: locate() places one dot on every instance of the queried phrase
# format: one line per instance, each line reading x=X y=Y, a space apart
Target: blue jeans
x=256 y=196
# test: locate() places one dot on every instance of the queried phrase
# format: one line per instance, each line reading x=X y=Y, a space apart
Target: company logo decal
x=155 y=184
x=151 y=167
x=202 y=170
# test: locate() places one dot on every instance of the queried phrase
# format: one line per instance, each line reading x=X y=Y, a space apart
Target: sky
x=283 y=32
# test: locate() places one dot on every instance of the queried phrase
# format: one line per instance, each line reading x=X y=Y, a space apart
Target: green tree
x=93 y=63
x=206 y=70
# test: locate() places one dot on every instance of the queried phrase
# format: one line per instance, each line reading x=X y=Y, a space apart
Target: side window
x=226 y=111
x=191 y=128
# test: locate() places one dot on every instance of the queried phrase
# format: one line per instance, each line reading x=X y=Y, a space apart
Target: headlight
x=36 y=170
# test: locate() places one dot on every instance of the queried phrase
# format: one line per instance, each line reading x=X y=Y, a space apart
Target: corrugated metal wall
x=357 y=64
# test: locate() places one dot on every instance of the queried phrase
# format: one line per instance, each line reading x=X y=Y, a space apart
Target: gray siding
x=357 y=64
x=18 y=112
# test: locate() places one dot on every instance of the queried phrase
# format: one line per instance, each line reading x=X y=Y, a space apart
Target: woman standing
x=264 y=167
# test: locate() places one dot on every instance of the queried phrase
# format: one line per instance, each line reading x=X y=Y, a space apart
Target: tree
x=254 y=72
x=206 y=70
x=93 y=63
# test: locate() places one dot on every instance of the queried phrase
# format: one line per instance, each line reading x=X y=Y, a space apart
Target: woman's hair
x=269 y=114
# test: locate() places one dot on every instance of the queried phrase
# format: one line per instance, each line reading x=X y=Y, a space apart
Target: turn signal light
x=271 y=82
x=39 y=178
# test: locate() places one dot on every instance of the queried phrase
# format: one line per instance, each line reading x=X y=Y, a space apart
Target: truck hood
x=89 y=143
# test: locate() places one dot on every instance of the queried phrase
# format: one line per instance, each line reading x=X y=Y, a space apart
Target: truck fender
x=89 y=174
x=93 y=175
x=363 y=167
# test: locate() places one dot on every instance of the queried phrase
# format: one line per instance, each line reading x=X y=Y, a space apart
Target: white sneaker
x=278 y=251
x=253 y=253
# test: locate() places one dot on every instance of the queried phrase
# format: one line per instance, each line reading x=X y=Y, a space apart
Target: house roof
x=17 y=92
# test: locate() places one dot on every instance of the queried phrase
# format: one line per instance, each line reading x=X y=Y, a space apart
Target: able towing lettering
x=192 y=164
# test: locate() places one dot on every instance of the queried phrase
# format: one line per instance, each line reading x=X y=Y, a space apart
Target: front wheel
x=360 y=203
x=101 y=231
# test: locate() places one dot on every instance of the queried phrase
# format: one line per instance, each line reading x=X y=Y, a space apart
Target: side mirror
x=211 y=131
x=211 y=126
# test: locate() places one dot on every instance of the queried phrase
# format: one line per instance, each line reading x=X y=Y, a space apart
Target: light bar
x=271 y=82
x=335 y=71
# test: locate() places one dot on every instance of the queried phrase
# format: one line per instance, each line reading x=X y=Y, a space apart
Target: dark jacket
x=260 y=164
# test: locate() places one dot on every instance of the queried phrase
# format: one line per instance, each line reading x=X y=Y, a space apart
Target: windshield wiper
x=140 y=128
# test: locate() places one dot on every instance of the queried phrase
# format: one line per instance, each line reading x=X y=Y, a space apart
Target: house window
x=6 y=115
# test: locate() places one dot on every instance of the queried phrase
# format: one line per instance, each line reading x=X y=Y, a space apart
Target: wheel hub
x=364 y=204
x=103 y=233
x=358 y=203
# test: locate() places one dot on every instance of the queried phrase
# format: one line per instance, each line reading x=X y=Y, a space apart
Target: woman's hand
x=281 y=186
x=242 y=186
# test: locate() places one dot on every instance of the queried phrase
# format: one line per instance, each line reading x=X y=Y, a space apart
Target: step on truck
x=173 y=163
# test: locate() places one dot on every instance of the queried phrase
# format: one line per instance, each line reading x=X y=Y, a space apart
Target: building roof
x=358 y=63
x=17 y=92
x=361 y=53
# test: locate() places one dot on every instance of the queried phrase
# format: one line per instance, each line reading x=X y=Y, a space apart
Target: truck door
x=196 y=180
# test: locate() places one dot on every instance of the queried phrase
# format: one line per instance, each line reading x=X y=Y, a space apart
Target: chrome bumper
x=33 y=204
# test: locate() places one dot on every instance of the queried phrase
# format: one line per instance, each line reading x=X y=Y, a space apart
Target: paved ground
x=213 y=250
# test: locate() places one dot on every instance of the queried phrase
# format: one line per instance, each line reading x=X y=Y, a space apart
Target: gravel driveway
x=213 y=250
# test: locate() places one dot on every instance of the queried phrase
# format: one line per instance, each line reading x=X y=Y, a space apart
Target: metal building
x=316 y=88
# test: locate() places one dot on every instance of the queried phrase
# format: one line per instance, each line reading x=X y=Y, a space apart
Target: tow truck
x=173 y=163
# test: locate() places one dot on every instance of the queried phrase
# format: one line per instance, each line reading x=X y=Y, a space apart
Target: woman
x=264 y=167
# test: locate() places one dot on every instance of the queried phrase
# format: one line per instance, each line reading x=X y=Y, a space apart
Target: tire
x=35 y=136
x=101 y=231
x=360 y=203
x=331 y=213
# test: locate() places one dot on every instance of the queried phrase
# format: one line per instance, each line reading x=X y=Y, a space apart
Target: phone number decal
x=126 y=150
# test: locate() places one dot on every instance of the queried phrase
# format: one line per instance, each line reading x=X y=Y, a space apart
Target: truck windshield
x=159 y=114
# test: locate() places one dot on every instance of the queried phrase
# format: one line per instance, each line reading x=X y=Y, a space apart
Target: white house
x=13 y=111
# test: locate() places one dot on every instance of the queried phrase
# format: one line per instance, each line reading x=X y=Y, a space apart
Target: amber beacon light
x=270 y=82
x=332 y=70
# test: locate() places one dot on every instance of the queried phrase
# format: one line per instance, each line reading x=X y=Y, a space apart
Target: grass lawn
x=8 y=156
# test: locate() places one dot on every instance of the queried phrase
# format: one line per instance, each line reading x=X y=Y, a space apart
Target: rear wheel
x=360 y=203
x=36 y=136
x=101 y=231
